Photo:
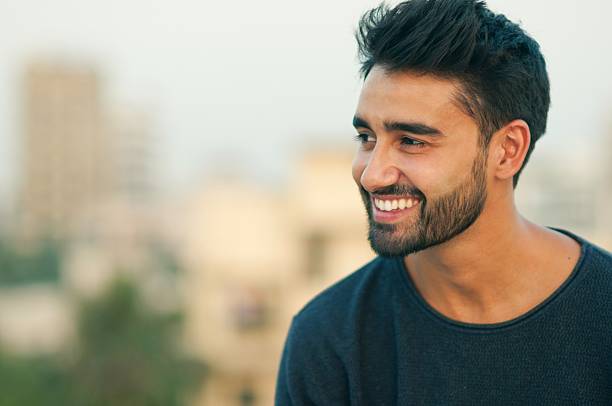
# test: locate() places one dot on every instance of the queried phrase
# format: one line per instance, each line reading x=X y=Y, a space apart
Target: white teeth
x=388 y=205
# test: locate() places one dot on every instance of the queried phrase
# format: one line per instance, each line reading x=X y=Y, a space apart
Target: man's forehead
x=409 y=85
x=395 y=96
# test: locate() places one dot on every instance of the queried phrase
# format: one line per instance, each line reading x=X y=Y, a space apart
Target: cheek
x=455 y=170
x=437 y=174
x=422 y=172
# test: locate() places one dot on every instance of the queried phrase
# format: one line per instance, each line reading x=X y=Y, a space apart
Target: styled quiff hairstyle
x=499 y=67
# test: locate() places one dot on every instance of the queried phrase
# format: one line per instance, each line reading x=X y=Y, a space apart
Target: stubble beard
x=439 y=219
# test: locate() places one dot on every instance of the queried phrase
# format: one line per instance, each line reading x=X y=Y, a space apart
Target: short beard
x=439 y=220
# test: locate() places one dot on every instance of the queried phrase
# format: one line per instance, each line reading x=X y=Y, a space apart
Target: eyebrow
x=409 y=127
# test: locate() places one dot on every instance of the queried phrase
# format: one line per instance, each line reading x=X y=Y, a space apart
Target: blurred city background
x=175 y=184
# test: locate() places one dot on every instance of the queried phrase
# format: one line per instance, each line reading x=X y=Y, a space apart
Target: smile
x=391 y=209
x=395 y=204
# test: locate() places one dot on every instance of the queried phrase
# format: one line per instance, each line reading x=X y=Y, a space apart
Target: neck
x=494 y=270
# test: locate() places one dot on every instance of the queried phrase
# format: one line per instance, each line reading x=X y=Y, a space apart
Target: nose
x=380 y=170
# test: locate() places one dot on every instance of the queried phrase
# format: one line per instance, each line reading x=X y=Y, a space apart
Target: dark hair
x=500 y=68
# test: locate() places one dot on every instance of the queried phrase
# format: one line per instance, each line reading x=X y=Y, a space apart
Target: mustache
x=399 y=190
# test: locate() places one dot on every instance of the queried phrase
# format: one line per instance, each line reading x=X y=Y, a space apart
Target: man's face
x=420 y=168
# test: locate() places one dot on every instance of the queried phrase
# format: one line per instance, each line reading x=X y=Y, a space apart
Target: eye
x=412 y=142
x=365 y=138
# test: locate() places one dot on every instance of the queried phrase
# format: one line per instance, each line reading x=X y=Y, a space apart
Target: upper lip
x=395 y=197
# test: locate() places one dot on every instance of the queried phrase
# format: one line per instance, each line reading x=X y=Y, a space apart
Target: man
x=468 y=303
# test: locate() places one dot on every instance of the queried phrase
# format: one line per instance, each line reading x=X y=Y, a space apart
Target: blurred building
x=35 y=319
x=131 y=153
x=77 y=154
x=65 y=150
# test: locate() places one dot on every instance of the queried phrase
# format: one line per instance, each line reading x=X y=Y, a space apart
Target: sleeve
x=311 y=372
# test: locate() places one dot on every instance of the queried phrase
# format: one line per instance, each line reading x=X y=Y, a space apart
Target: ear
x=509 y=148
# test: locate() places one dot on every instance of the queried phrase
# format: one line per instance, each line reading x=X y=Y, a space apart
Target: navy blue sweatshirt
x=371 y=339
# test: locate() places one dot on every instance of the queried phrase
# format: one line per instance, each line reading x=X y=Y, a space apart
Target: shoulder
x=593 y=259
x=601 y=259
x=342 y=302
x=313 y=365
x=598 y=261
x=324 y=332
x=594 y=277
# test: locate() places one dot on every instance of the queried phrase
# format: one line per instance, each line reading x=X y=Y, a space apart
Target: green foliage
x=42 y=264
x=126 y=355
x=32 y=381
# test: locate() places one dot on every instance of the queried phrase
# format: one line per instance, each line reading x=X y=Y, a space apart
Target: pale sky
x=251 y=83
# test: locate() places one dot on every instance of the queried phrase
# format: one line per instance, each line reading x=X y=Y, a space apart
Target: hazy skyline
x=250 y=83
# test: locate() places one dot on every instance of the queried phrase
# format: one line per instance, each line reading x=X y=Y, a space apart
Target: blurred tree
x=128 y=355
x=32 y=381
x=41 y=263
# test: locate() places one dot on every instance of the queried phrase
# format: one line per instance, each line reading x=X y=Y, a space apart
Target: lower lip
x=393 y=215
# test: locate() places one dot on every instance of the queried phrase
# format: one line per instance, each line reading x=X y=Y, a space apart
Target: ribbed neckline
x=504 y=325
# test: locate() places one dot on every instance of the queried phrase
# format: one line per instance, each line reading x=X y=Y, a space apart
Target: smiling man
x=467 y=302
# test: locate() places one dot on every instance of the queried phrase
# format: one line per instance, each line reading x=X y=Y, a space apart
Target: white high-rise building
x=65 y=167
